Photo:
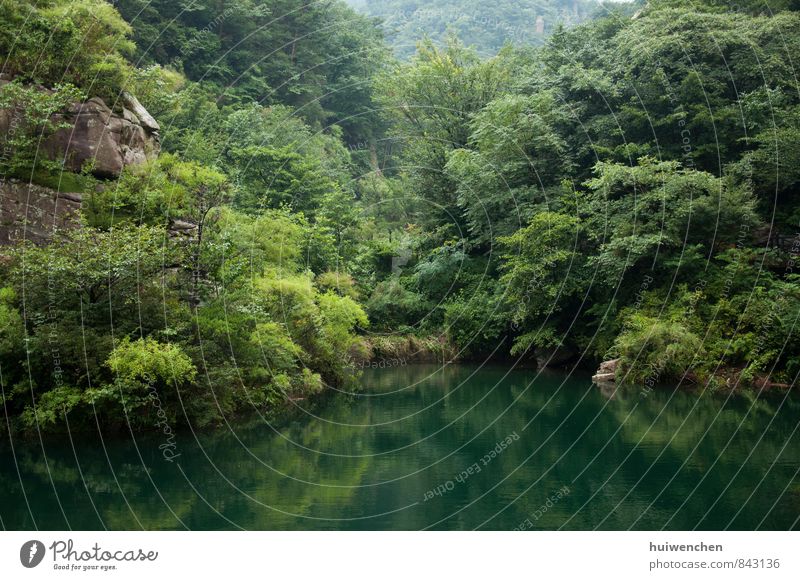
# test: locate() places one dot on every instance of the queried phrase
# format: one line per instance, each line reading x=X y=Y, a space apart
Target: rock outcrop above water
x=107 y=141
x=35 y=213
x=607 y=373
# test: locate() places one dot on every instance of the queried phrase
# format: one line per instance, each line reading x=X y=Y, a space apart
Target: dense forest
x=627 y=190
x=485 y=28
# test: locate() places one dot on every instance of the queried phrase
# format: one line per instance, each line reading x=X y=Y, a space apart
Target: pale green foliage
x=339 y=216
x=138 y=366
x=323 y=325
x=11 y=327
x=277 y=349
x=147 y=362
x=238 y=247
x=338 y=282
x=158 y=89
x=52 y=407
x=144 y=194
x=341 y=316
x=656 y=350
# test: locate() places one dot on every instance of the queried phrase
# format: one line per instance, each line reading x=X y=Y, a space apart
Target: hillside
x=485 y=27
x=627 y=191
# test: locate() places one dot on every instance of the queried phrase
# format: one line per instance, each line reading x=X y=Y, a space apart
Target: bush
x=146 y=363
x=476 y=322
x=323 y=325
x=145 y=371
x=338 y=282
x=393 y=306
x=654 y=350
x=82 y=42
x=147 y=375
x=11 y=326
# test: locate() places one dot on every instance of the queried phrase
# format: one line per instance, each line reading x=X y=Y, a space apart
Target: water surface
x=459 y=447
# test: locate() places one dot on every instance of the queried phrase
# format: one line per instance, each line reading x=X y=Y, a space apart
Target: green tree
x=434 y=99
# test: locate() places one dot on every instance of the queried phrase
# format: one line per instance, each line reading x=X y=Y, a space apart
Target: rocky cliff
x=35 y=213
x=103 y=139
x=106 y=140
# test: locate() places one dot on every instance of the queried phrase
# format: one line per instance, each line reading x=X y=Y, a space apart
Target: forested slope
x=629 y=190
x=486 y=27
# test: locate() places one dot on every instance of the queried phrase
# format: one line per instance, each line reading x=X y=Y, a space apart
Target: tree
x=545 y=278
x=515 y=166
x=318 y=57
x=272 y=178
x=656 y=211
x=487 y=31
x=433 y=100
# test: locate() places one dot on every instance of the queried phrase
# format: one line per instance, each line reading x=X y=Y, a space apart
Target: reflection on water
x=425 y=446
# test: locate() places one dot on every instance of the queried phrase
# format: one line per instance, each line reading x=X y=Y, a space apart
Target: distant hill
x=485 y=26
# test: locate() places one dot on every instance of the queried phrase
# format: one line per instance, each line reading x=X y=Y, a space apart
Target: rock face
x=35 y=213
x=105 y=140
x=182 y=229
x=145 y=119
x=607 y=373
x=99 y=137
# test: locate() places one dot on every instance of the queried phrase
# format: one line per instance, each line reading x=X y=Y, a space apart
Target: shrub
x=145 y=370
x=338 y=282
x=82 y=42
x=392 y=305
x=654 y=350
x=476 y=321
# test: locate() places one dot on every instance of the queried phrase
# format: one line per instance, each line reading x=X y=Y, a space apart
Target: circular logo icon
x=31 y=553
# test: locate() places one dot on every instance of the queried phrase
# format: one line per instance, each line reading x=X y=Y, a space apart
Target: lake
x=421 y=446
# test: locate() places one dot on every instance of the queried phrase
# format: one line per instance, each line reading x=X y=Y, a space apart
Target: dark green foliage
x=433 y=100
x=394 y=306
x=317 y=56
x=657 y=351
x=477 y=323
x=621 y=167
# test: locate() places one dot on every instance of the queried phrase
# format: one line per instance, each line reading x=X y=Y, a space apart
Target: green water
x=505 y=449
